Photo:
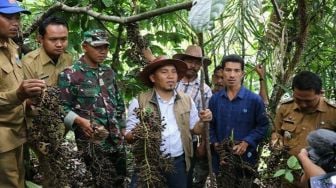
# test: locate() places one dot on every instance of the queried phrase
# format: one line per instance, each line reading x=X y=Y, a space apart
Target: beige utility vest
x=182 y=106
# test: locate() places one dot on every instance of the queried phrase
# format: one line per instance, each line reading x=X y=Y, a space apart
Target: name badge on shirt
x=17 y=59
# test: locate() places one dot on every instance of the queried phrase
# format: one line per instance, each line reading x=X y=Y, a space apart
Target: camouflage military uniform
x=92 y=94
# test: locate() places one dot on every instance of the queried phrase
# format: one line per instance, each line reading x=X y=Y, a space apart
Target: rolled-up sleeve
x=194 y=118
x=132 y=120
x=64 y=84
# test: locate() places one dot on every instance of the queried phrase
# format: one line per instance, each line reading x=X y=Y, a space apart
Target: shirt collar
x=4 y=44
x=8 y=43
x=101 y=66
x=154 y=97
x=322 y=106
x=11 y=50
x=171 y=100
x=194 y=82
x=46 y=59
x=241 y=92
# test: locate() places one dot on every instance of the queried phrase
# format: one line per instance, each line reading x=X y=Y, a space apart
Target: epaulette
x=30 y=56
x=286 y=100
x=330 y=102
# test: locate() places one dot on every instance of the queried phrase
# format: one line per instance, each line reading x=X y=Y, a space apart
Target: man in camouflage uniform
x=94 y=110
x=307 y=111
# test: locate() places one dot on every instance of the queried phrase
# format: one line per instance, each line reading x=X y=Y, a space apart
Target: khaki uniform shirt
x=12 y=126
x=37 y=64
x=294 y=125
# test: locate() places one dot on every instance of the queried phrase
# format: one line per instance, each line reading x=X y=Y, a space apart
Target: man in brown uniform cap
x=13 y=92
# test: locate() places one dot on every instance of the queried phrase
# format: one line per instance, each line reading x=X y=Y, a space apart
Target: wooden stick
x=206 y=127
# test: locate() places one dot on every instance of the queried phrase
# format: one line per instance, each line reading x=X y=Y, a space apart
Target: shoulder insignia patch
x=330 y=102
x=286 y=100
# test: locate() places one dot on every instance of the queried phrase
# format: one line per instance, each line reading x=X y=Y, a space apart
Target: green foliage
x=30 y=184
x=289 y=176
x=279 y=173
x=107 y=3
x=232 y=136
x=248 y=28
x=292 y=165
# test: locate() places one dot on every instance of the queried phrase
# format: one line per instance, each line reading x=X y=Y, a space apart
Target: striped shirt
x=193 y=90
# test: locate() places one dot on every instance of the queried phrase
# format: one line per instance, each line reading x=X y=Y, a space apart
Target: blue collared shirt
x=244 y=118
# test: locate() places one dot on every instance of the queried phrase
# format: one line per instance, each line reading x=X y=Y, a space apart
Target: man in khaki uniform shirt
x=307 y=111
x=13 y=91
x=50 y=59
x=46 y=63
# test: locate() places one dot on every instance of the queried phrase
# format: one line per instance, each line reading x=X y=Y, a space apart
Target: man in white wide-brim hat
x=190 y=84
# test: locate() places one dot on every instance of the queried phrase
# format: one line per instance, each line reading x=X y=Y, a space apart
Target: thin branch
x=277 y=10
x=301 y=38
x=129 y=19
x=117 y=19
x=37 y=22
x=115 y=57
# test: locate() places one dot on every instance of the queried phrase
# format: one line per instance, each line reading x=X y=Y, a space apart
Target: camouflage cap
x=96 y=37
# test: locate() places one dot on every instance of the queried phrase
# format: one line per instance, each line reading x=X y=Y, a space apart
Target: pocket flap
x=288 y=127
x=87 y=91
x=7 y=68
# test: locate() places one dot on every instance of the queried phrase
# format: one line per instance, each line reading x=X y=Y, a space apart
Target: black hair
x=217 y=68
x=52 y=20
x=307 y=80
x=233 y=58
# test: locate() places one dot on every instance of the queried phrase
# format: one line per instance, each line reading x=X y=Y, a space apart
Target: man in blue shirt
x=237 y=113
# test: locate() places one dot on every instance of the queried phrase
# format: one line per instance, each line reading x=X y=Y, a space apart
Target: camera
x=322 y=149
x=325 y=181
